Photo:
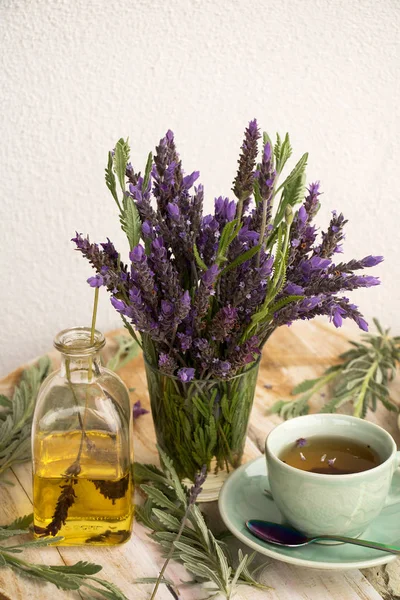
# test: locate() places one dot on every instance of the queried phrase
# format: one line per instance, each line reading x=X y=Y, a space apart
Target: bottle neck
x=80 y=369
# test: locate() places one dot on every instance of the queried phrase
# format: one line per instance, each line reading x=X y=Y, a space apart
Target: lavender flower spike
x=199 y=479
x=243 y=184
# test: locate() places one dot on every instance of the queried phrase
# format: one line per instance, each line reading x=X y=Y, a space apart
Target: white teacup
x=331 y=504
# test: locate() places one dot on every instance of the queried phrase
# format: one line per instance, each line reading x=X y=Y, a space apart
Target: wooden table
x=293 y=354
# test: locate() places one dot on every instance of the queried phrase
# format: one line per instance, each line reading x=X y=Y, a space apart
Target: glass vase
x=202 y=422
x=82 y=448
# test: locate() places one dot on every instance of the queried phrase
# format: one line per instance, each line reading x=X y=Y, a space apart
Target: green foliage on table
x=362 y=378
x=79 y=576
x=205 y=557
x=16 y=415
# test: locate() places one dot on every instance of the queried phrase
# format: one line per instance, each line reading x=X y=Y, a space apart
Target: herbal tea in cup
x=330 y=455
x=337 y=472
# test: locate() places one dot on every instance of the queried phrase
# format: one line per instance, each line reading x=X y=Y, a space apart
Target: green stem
x=262 y=229
x=239 y=210
x=170 y=553
x=226 y=444
x=93 y=328
x=360 y=401
x=131 y=331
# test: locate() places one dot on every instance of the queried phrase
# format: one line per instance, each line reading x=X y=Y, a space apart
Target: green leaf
x=292 y=193
x=79 y=568
x=110 y=179
x=304 y=386
x=4 y=401
x=241 y=566
x=284 y=152
x=228 y=234
x=21 y=522
x=172 y=475
x=277 y=148
x=158 y=497
x=121 y=159
x=38 y=543
x=284 y=302
x=256 y=192
x=131 y=223
x=142 y=472
x=295 y=173
x=8 y=533
x=188 y=551
x=108 y=590
x=147 y=171
x=248 y=255
x=204 y=572
x=15 y=428
x=200 y=263
x=171 y=522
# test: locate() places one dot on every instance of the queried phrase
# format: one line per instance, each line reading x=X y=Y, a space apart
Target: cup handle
x=394 y=498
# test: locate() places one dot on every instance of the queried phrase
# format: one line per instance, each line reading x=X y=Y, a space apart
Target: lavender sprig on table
x=362 y=378
x=80 y=576
x=179 y=527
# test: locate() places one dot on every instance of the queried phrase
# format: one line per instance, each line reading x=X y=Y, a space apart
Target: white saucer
x=243 y=497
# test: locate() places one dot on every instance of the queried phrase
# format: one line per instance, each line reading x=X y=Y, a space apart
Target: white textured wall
x=78 y=74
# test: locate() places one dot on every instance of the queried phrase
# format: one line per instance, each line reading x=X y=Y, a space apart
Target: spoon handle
x=358 y=542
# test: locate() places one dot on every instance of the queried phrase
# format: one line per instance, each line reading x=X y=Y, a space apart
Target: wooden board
x=292 y=354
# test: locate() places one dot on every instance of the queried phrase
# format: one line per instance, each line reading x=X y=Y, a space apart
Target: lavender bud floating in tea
x=330 y=455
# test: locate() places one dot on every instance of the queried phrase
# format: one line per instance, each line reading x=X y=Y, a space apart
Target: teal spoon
x=280 y=535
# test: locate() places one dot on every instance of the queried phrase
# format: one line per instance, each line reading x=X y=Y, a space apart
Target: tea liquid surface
x=330 y=455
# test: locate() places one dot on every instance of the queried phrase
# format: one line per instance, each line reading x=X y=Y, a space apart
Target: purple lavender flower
x=210 y=276
x=243 y=184
x=189 y=180
x=266 y=179
x=223 y=323
x=301 y=442
x=96 y=281
x=225 y=210
x=167 y=363
x=148 y=229
x=185 y=341
x=332 y=238
x=220 y=368
x=198 y=482
x=371 y=261
x=137 y=255
x=173 y=211
x=186 y=374
x=293 y=289
x=138 y=410
x=245 y=353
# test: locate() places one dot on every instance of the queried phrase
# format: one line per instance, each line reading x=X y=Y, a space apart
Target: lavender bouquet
x=202 y=294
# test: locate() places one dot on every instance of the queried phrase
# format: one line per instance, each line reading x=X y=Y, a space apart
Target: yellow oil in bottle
x=95 y=500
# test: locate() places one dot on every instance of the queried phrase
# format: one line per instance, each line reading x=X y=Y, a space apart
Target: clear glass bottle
x=82 y=447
